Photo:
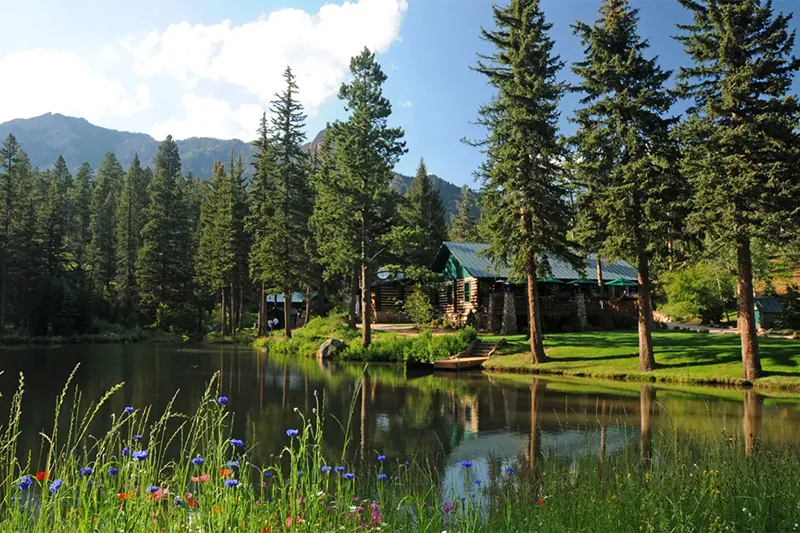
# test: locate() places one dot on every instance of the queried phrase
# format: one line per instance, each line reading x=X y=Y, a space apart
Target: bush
x=425 y=348
x=702 y=290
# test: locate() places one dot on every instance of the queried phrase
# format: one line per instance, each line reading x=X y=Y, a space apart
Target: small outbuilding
x=767 y=309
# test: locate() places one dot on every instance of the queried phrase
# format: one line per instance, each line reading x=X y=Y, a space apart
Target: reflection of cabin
x=767 y=311
x=474 y=286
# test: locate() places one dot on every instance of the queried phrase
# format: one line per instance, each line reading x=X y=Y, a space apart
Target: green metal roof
x=470 y=257
x=768 y=305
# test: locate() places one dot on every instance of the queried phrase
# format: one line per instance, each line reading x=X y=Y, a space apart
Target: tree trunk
x=287 y=312
x=3 y=289
x=646 y=360
x=308 y=304
x=222 y=311
x=751 y=361
x=647 y=397
x=753 y=407
x=538 y=387
x=366 y=306
x=599 y=263
x=234 y=324
x=537 y=349
x=351 y=316
x=262 y=322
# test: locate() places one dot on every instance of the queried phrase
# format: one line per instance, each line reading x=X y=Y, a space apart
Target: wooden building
x=474 y=289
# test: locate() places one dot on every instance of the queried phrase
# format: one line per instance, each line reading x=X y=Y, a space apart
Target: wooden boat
x=458 y=364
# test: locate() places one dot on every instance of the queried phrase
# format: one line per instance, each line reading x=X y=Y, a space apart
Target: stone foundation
x=509 y=325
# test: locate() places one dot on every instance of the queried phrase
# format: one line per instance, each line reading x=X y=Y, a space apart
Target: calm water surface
x=445 y=419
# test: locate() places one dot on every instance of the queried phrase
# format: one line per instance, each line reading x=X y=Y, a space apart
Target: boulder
x=329 y=349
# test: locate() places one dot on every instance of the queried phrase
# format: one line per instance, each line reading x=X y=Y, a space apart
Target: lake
x=515 y=419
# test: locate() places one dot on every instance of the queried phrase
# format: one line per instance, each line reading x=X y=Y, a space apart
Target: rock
x=796 y=335
x=329 y=349
x=703 y=330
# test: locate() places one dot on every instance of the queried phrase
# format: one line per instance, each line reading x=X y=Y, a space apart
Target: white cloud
x=210 y=117
x=253 y=55
x=407 y=103
x=57 y=81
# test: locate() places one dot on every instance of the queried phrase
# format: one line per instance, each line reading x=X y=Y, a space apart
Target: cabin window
x=467 y=292
x=450 y=291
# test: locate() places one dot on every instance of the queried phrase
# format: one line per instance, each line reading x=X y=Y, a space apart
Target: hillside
x=46 y=137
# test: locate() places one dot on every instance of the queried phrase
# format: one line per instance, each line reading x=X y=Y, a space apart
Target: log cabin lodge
x=474 y=291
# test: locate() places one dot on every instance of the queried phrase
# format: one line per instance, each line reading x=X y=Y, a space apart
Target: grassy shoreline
x=682 y=357
x=13 y=339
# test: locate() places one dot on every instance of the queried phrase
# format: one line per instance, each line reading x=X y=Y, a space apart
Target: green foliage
x=130 y=221
x=425 y=348
x=418 y=307
x=702 y=290
x=464 y=226
x=103 y=246
x=422 y=213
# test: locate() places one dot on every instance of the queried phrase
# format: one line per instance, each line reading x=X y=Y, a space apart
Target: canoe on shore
x=459 y=363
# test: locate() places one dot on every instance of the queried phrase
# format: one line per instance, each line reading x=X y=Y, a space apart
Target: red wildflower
x=42 y=476
x=297 y=520
x=125 y=496
x=224 y=472
x=202 y=479
x=541 y=501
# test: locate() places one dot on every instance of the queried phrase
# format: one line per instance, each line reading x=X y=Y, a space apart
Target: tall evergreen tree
x=464 y=226
x=280 y=244
x=741 y=138
x=130 y=221
x=241 y=241
x=80 y=196
x=8 y=162
x=624 y=152
x=366 y=150
x=53 y=224
x=422 y=211
x=526 y=214
x=103 y=246
x=216 y=257
x=163 y=269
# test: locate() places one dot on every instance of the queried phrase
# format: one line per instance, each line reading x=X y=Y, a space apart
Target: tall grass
x=187 y=472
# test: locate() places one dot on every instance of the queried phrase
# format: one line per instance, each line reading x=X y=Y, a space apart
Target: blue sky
x=174 y=67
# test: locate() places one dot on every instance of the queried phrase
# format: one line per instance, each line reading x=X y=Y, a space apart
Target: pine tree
x=163 y=269
x=280 y=245
x=422 y=211
x=741 y=138
x=53 y=225
x=241 y=241
x=625 y=157
x=80 y=196
x=524 y=207
x=366 y=150
x=103 y=246
x=463 y=227
x=130 y=221
x=8 y=161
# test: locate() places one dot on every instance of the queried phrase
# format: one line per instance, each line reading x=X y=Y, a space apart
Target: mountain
x=46 y=137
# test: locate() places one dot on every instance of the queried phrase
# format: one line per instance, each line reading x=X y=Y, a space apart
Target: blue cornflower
x=126 y=451
x=382 y=476
x=299 y=473
x=478 y=482
x=86 y=471
x=349 y=476
x=137 y=438
x=232 y=464
x=292 y=432
x=198 y=461
x=326 y=469
x=339 y=469
x=113 y=471
x=55 y=485
x=466 y=464
x=510 y=470
x=152 y=489
x=178 y=501
x=129 y=410
x=222 y=400
x=231 y=483
x=267 y=474
x=25 y=483
x=237 y=443
x=140 y=455
x=381 y=458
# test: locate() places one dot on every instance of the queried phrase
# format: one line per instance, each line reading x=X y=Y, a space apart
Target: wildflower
x=86 y=471
x=25 y=483
x=349 y=476
x=381 y=458
x=125 y=496
x=232 y=483
x=339 y=469
x=140 y=455
x=178 y=501
x=292 y=432
x=326 y=469
x=224 y=472
x=510 y=470
x=478 y=482
x=382 y=476
x=449 y=508
x=299 y=473
x=232 y=464
x=236 y=443
x=137 y=438
x=129 y=410
x=466 y=464
x=267 y=474
x=198 y=461
x=42 y=476
x=125 y=452
x=152 y=489
x=540 y=501
x=113 y=471
x=202 y=479
x=55 y=485
x=222 y=400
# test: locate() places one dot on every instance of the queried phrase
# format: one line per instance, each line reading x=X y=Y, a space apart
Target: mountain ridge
x=47 y=136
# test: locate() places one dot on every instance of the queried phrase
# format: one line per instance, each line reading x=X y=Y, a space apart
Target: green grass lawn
x=681 y=357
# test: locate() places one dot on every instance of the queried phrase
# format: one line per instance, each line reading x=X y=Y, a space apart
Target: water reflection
x=493 y=421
